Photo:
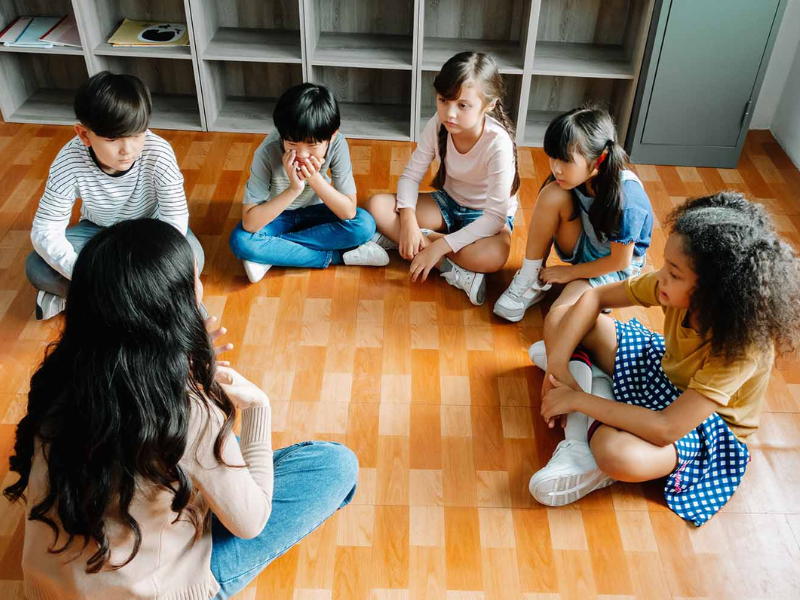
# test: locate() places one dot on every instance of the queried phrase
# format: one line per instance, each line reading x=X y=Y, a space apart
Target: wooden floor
x=440 y=403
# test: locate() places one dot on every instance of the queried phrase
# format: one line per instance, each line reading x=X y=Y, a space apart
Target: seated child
x=118 y=168
x=592 y=208
x=684 y=402
x=464 y=227
x=293 y=214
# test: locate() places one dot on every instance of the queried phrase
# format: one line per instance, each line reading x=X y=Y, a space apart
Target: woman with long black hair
x=134 y=483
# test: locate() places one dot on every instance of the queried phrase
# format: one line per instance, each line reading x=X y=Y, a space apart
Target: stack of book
x=41 y=32
x=150 y=33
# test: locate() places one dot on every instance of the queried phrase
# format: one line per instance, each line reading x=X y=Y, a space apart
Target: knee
x=379 y=203
x=342 y=465
x=238 y=239
x=362 y=225
x=553 y=197
x=497 y=254
x=614 y=456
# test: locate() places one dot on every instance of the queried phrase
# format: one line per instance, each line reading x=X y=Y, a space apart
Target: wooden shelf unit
x=379 y=58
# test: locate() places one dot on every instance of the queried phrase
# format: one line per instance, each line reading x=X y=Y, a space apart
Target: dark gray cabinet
x=707 y=60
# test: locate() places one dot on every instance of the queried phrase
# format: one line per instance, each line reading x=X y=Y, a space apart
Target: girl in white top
x=467 y=221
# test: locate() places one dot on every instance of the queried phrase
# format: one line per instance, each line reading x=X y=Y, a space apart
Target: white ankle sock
x=531 y=268
x=578 y=423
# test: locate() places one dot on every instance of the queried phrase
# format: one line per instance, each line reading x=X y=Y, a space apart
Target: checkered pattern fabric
x=711 y=460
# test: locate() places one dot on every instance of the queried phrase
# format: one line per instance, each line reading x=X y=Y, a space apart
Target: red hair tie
x=601 y=159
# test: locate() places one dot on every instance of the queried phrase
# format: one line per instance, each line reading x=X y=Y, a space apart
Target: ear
x=492 y=105
x=333 y=135
x=83 y=134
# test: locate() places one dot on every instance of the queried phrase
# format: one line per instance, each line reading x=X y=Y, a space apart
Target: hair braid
x=502 y=117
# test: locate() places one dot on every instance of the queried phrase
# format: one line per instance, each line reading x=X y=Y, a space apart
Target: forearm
x=263 y=214
x=341 y=205
x=55 y=249
x=647 y=424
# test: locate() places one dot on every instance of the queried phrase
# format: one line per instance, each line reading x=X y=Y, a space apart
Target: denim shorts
x=582 y=254
x=456 y=216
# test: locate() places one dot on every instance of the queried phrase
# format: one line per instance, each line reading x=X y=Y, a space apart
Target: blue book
x=38 y=27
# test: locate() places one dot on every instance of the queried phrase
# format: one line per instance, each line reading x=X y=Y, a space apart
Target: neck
x=589 y=184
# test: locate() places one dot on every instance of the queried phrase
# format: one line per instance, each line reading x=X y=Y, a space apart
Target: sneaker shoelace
x=458 y=277
x=519 y=285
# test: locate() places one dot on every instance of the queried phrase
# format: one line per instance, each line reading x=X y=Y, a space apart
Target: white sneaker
x=255 y=271
x=570 y=475
x=49 y=305
x=474 y=284
x=368 y=254
x=523 y=293
x=383 y=241
x=538 y=355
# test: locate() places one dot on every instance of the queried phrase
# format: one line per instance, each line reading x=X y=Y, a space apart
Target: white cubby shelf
x=379 y=58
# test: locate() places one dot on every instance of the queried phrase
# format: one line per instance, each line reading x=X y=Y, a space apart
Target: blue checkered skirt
x=711 y=460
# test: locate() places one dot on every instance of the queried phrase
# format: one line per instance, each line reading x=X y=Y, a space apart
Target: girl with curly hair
x=134 y=483
x=683 y=402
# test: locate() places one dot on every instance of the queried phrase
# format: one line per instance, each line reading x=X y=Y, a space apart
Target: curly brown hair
x=748 y=278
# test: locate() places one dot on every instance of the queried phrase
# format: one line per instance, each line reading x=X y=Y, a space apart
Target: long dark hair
x=590 y=131
x=110 y=403
x=747 y=293
x=482 y=69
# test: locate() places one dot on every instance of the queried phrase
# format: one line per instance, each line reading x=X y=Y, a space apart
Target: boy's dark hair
x=590 y=131
x=307 y=113
x=113 y=105
x=747 y=294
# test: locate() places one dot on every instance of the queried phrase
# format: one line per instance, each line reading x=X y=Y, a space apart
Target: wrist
x=408 y=215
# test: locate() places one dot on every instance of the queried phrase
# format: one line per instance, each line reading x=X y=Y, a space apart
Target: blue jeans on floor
x=309 y=237
x=44 y=277
x=312 y=481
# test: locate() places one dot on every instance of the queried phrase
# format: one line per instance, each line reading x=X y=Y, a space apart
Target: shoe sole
x=566 y=489
x=480 y=293
x=515 y=317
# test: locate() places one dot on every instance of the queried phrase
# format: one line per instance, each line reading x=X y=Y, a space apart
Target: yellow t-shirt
x=737 y=386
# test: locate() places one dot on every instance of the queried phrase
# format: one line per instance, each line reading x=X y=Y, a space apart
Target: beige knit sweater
x=170 y=565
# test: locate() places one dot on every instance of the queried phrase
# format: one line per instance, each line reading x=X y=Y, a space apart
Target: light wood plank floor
x=440 y=403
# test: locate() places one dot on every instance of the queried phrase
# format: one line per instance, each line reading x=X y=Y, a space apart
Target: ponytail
x=502 y=117
x=606 y=211
x=441 y=174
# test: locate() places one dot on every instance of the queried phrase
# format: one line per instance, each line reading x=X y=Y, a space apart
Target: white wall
x=780 y=63
x=786 y=124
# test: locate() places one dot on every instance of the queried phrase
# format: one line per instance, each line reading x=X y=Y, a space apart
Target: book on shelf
x=25 y=32
x=150 y=33
x=64 y=33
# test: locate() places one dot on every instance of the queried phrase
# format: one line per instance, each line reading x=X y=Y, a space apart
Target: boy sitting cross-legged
x=294 y=213
x=118 y=168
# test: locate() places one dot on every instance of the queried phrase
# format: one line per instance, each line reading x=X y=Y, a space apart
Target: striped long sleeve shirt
x=151 y=188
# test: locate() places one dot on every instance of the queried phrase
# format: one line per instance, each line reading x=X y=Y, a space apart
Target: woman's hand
x=242 y=392
x=553 y=275
x=558 y=402
x=216 y=334
x=412 y=241
x=428 y=258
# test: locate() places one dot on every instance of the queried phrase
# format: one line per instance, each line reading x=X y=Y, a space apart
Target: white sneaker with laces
x=255 y=271
x=368 y=254
x=49 y=305
x=569 y=475
x=523 y=293
x=474 y=284
x=383 y=241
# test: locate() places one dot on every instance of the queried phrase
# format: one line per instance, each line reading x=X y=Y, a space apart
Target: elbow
x=665 y=433
x=350 y=213
x=248 y=531
x=248 y=225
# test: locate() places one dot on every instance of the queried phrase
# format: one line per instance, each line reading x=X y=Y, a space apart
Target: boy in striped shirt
x=118 y=168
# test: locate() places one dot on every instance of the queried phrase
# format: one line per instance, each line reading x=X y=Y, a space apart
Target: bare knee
x=554 y=198
x=380 y=203
x=615 y=454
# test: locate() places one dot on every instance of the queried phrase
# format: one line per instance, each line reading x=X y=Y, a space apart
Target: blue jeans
x=309 y=237
x=312 y=481
x=44 y=277
x=457 y=217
